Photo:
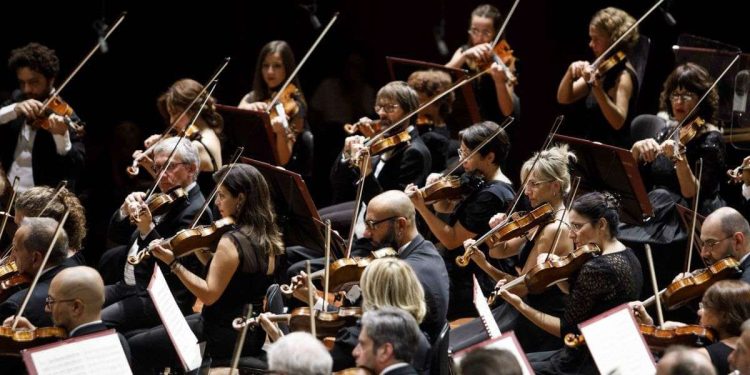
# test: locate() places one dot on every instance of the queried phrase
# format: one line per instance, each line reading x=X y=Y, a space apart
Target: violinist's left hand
x=147 y=221
x=509 y=297
x=161 y=252
x=416 y=197
x=498 y=73
x=300 y=284
x=23 y=323
x=640 y=314
x=57 y=124
x=277 y=123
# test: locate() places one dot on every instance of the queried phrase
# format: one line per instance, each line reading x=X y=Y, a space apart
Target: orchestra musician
x=469 y=218
x=35 y=155
x=603 y=282
x=725 y=233
x=387 y=342
x=294 y=145
x=240 y=269
x=739 y=360
x=548 y=182
x=608 y=98
x=496 y=96
x=128 y=305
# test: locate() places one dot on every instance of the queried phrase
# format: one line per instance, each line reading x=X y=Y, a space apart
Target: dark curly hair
x=36 y=57
x=695 y=79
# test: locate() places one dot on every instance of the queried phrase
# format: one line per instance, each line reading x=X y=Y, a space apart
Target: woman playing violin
x=724 y=307
x=668 y=167
x=602 y=283
x=548 y=182
x=469 y=217
x=496 y=96
x=240 y=268
x=610 y=96
x=294 y=144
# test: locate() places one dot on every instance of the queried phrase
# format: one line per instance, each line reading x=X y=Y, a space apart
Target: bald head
x=682 y=360
x=83 y=284
x=730 y=220
x=393 y=203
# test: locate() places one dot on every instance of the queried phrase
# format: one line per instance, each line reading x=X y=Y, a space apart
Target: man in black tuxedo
x=35 y=153
x=127 y=304
x=387 y=342
x=725 y=233
x=30 y=244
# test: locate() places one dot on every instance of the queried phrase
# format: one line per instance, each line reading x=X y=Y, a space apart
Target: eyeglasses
x=536 y=184
x=703 y=306
x=463 y=153
x=158 y=168
x=371 y=224
x=684 y=97
x=387 y=108
x=49 y=301
x=576 y=227
x=710 y=243
x=477 y=32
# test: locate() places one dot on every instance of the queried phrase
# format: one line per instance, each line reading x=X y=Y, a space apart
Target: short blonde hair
x=552 y=165
x=392 y=282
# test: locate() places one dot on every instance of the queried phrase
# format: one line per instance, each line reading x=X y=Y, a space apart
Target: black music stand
x=613 y=169
x=249 y=129
x=686 y=216
x=296 y=215
x=465 y=108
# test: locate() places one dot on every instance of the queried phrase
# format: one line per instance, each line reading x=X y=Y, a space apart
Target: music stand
x=249 y=129
x=465 y=108
x=613 y=169
x=686 y=216
x=296 y=215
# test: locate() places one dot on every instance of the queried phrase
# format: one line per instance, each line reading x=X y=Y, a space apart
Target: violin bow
x=705 y=95
x=310 y=300
x=558 y=232
x=174 y=149
x=41 y=269
x=632 y=27
x=241 y=340
x=142 y=254
x=505 y=24
x=651 y=268
x=6 y=214
x=365 y=162
x=302 y=62
x=328 y=265
x=56 y=92
x=689 y=258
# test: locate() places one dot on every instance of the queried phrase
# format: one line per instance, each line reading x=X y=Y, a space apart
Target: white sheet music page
x=616 y=343
x=480 y=302
x=507 y=342
x=95 y=354
x=183 y=339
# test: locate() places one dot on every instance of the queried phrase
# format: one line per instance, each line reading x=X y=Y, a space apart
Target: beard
x=389 y=240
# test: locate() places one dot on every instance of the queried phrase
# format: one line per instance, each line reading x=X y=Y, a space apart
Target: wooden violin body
x=616 y=59
x=501 y=54
x=684 y=290
x=659 y=339
x=58 y=107
x=13 y=341
x=553 y=271
x=522 y=225
x=690 y=130
x=387 y=143
x=450 y=187
x=160 y=204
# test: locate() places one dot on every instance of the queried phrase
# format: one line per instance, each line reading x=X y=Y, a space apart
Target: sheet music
x=507 y=342
x=480 y=302
x=616 y=343
x=93 y=354
x=182 y=337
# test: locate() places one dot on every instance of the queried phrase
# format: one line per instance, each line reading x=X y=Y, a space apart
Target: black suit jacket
x=179 y=217
x=745 y=267
x=98 y=327
x=429 y=266
x=35 y=308
x=403 y=370
x=407 y=164
x=48 y=167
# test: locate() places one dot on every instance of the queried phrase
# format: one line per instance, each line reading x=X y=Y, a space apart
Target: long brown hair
x=261 y=91
x=181 y=94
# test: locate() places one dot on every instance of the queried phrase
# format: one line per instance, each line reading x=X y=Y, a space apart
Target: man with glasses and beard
x=725 y=233
x=37 y=153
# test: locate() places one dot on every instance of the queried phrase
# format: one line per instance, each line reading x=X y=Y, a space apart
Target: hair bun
x=611 y=200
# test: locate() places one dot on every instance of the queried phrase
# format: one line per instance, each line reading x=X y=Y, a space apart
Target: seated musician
x=37 y=201
x=35 y=155
x=386 y=282
x=390 y=222
x=387 y=342
x=679 y=360
x=74 y=301
x=726 y=233
x=470 y=217
x=299 y=353
x=30 y=244
x=739 y=360
x=603 y=282
x=240 y=269
x=127 y=304
x=724 y=307
x=548 y=182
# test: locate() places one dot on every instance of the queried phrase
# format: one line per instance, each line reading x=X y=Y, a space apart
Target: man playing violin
x=127 y=304
x=726 y=233
x=38 y=157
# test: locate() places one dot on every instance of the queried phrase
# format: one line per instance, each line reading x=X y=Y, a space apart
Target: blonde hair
x=392 y=282
x=552 y=165
x=614 y=22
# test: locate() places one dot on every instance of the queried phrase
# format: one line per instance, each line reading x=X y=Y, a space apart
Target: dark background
x=162 y=41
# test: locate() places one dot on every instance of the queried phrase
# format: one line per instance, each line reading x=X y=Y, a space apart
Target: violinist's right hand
x=30 y=108
x=497 y=219
x=581 y=69
x=23 y=323
x=640 y=313
x=479 y=53
x=433 y=177
x=645 y=150
x=151 y=140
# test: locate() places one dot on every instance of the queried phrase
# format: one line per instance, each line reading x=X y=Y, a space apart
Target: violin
x=387 y=143
x=451 y=188
x=161 y=203
x=684 y=290
x=659 y=339
x=327 y=323
x=11 y=284
x=502 y=54
x=367 y=129
x=8 y=269
x=516 y=227
x=616 y=59
x=424 y=120
x=13 y=341
x=188 y=241
x=286 y=108
x=735 y=175
x=59 y=107
x=690 y=130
